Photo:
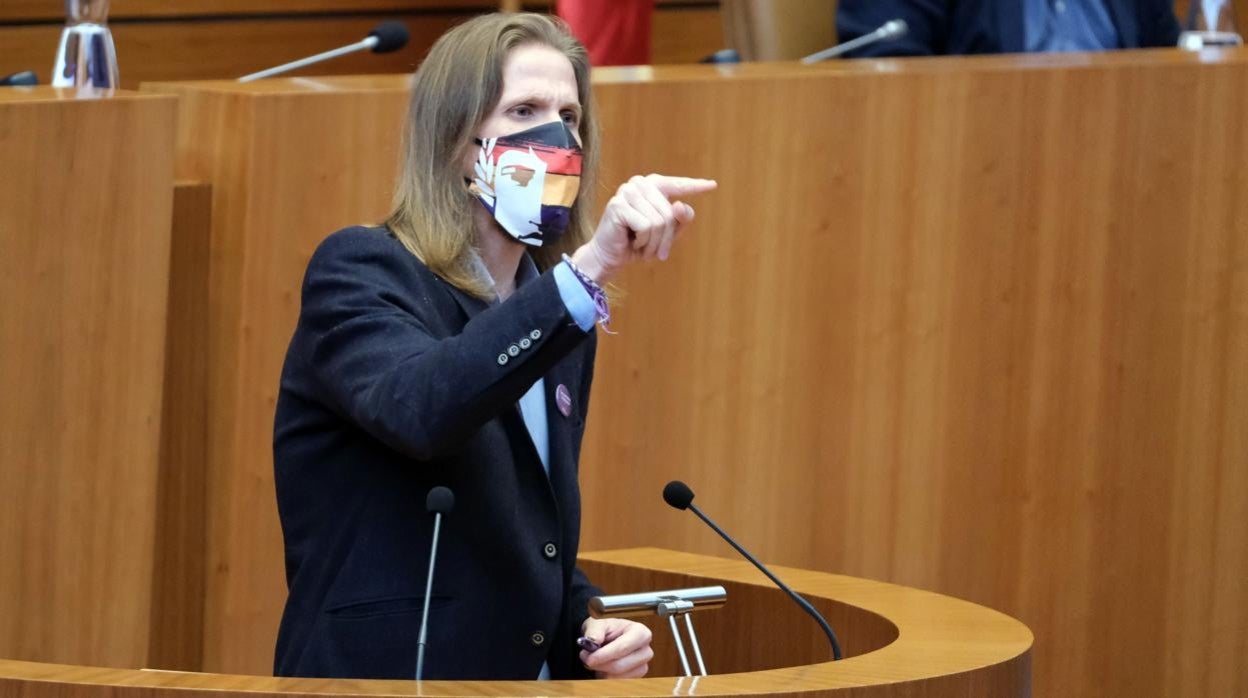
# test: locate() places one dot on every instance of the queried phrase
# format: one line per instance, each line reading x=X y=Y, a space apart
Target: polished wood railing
x=898 y=642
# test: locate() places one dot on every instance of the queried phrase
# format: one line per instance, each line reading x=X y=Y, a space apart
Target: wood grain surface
x=85 y=201
x=977 y=325
x=229 y=48
x=758 y=629
x=162 y=43
x=1239 y=7
x=284 y=169
x=961 y=326
x=779 y=30
x=178 y=574
x=14 y=10
x=922 y=644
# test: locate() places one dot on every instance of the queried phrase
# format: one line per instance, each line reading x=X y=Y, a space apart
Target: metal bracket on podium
x=678 y=607
x=669 y=605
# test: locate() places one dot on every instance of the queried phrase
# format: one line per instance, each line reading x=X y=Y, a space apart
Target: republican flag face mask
x=529 y=180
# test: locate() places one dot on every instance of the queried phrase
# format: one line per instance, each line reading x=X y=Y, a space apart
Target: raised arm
x=377 y=352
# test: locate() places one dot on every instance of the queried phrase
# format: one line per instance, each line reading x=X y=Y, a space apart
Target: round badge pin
x=563 y=400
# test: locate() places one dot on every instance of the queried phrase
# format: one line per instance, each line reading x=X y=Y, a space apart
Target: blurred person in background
x=614 y=33
x=958 y=27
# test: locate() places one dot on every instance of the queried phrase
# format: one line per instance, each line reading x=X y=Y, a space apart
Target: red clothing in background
x=616 y=32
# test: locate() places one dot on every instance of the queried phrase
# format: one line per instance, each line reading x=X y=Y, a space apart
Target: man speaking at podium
x=454 y=347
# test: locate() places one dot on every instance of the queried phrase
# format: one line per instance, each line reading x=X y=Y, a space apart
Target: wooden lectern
x=86 y=198
x=898 y=642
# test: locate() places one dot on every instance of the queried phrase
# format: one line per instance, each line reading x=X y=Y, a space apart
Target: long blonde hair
x=453 y=92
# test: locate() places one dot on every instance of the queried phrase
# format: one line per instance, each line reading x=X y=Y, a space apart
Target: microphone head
x=678 y=495
x=390 y=35
x=440 y=501
x=894 y=29
x=26 y=78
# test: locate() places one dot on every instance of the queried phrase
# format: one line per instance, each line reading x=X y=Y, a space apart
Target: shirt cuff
x=575 y=297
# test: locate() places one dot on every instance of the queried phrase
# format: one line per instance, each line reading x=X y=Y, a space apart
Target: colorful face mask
x=528 y=181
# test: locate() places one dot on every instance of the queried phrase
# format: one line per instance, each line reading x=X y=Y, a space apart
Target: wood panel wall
x=203 y=39
x=974 y=325
x=1239 y=7
x=85 y=201
x=961 y=327
x=178 y=568
x=221 y=39
x=229 y=135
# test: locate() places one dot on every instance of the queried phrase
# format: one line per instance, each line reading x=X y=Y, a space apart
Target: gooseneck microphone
x=892 y=29
x=678 y=495
x=384 y=38
x=440 y=501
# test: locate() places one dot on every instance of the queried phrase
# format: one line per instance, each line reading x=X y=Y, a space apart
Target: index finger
x=683 y=186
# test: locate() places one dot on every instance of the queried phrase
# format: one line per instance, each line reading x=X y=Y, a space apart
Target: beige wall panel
x=85 y=200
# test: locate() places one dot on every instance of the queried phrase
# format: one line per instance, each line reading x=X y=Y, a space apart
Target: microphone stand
x=424 y=614
x=893 y=29
x=384 y=38
x=362 y=45
x=439 y=501
x=803 y=603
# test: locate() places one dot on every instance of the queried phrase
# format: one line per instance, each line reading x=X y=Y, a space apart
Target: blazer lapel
x=471 y=305
x=562 y=428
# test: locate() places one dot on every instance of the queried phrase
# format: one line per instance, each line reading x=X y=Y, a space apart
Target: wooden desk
x=898 y=642
x=974 y=325
x=86 y=191
x=224 y=39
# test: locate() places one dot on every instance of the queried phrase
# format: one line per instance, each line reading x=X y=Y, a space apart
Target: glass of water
x=86 y=57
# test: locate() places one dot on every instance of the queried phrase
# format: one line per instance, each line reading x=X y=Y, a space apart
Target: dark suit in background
x=958 y=27
x=396 y=382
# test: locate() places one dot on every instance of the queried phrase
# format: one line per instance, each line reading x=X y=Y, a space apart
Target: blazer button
x=535 y=335
x=549 y=551
x=525 y=342
x=538 y=638
x=513 y=350
x=502 y=359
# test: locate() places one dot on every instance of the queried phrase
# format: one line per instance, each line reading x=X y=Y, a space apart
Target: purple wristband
x=595 y=293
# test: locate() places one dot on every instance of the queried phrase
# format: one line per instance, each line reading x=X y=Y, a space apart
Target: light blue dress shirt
x=581 y=307
x=533 y=404
x=1068 y=25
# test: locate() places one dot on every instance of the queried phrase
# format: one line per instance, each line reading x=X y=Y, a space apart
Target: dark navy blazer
x=396 y=382
x=959 y=27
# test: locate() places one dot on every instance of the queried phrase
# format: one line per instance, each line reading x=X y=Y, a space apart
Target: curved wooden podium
x=898 y=641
